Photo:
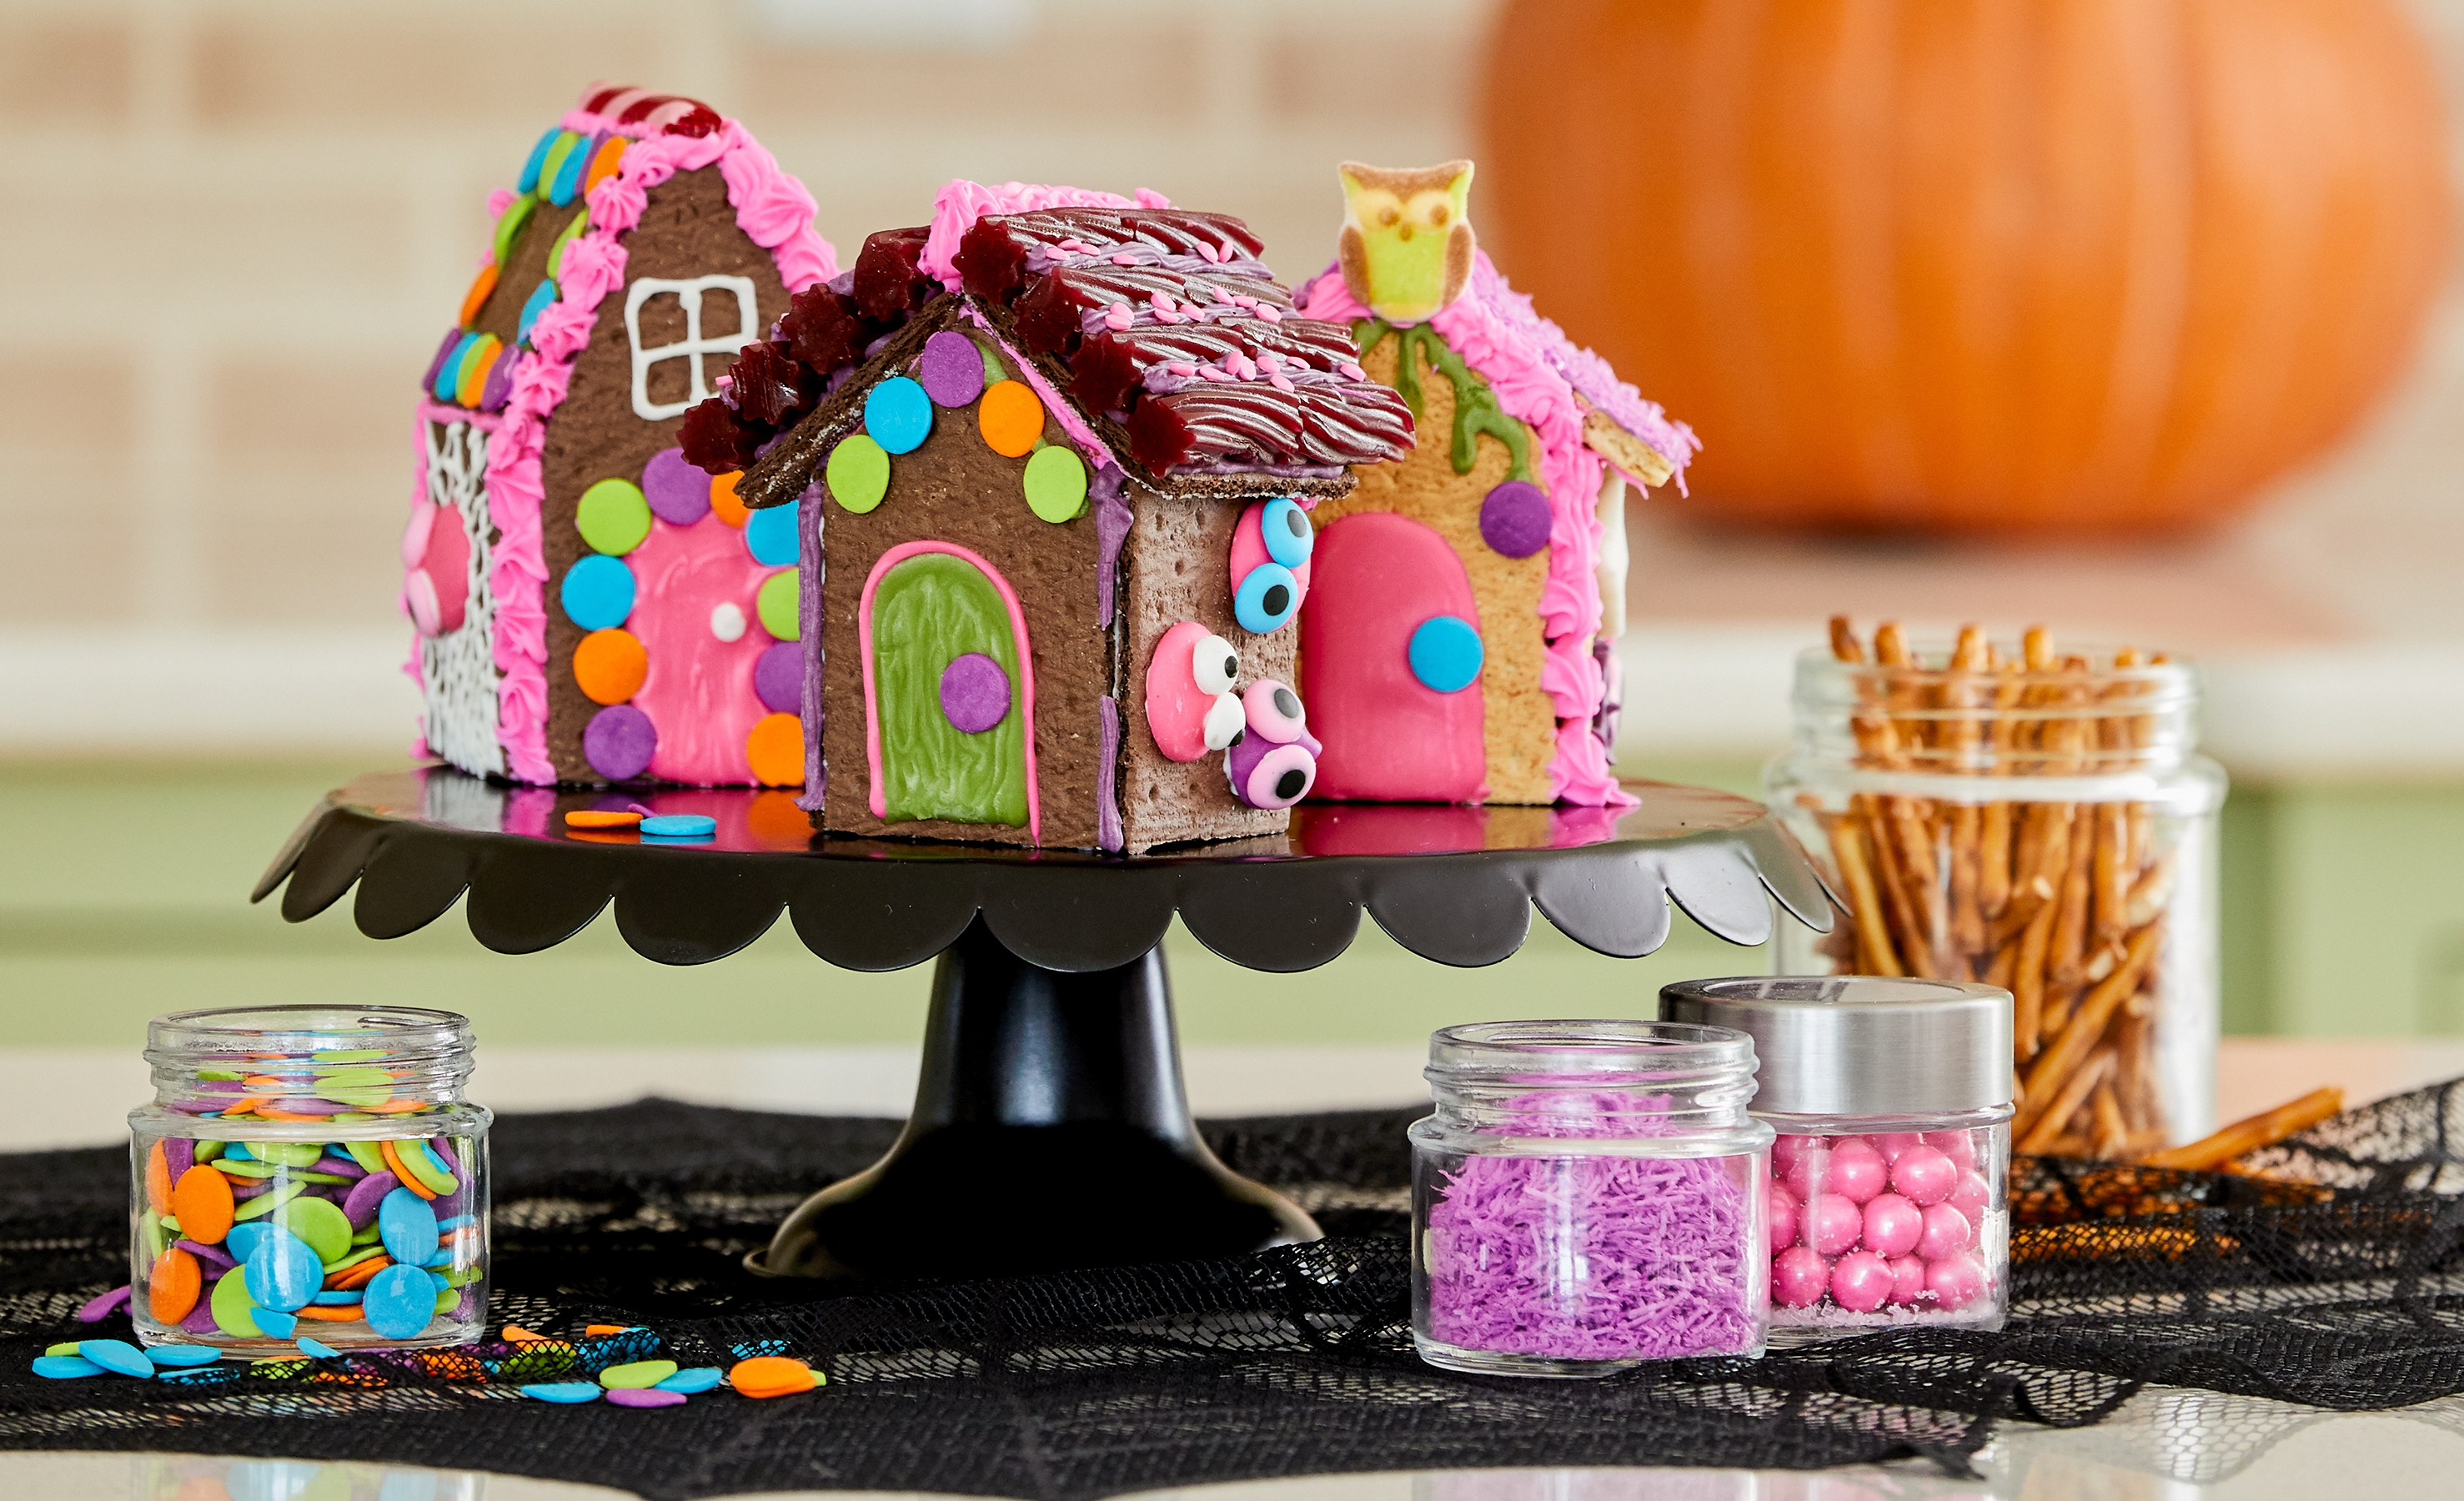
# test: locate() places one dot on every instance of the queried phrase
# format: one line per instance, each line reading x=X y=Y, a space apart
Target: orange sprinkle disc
x=595 y=1331
x=772 y=1375
x=408 y=1180
x=1010 y=418
x=203 y=1200
x=158 y=1180
x=603 y=166
x=478 y=297
x=723 y=502
x=476 y=368
x=330 y=1313
x=516 y=1333
x=776 y=750
x=601 y=818
x=172 y=1286
x=609 y=665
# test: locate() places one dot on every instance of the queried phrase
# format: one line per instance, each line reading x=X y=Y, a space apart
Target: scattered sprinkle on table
x=645 y=1396
x=773 y=1376
x=680 y=825
x=636 y=1373
x=562 y=1391
x=600 y=818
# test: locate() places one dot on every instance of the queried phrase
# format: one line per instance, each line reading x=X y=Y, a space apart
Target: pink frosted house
x=591 y=608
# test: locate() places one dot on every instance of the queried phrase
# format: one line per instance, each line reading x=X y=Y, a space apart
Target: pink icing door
x=1390 y=664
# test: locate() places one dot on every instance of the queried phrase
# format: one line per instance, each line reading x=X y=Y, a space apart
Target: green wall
x=122 y=894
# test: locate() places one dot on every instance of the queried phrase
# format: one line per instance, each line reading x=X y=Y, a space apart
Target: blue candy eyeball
x=1286 y=530
x=1266 y=599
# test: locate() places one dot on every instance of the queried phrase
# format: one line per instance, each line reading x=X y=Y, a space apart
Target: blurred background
x=234 y=229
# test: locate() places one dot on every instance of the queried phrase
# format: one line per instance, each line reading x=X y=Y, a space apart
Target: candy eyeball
x=1264 y=773
x=1286 y=530
x=1266 y=599
x=1275 y=711
x=1215 y=665
x=1224 y=722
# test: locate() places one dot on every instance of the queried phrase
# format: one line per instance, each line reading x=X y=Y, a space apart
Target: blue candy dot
x=407 y=1228
x=562 y=1391
x=1266 y=599
x=770 y=535
x=64 y=1367
x=598 y=592
x=680 y=825
x=1446 y=653
x=183 y=1355
x=274 y=1321
x=536 y=159
x=117 y=1355
x=693 y=1378
x=898 y=415
x=398 y=1302
x=448 y=375
x=542 y=297
x=242 y=1240
x=1286 y=530
x=283 y=1272
x=316 y=1347
x=568 y=173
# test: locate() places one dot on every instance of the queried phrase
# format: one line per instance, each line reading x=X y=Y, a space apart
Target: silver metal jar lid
x=1859 y=1045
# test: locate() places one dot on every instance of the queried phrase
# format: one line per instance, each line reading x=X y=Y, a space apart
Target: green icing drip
x=1476 y=408
x=928 y=612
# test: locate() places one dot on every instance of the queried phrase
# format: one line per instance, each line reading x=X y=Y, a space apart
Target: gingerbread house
x=590 y=607
x=1456 y=646
x=1057 y=451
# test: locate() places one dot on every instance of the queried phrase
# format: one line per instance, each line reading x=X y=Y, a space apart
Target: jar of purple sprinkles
x=1586 y=1196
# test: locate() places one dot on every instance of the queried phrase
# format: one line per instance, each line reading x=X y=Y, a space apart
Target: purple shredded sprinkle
x=1592 y=1257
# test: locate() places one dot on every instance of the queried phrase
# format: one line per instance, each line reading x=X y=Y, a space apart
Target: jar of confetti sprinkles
x=1586 y=1196
x=309 y=1175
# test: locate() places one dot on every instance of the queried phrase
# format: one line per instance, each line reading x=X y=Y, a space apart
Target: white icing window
x=694 y=349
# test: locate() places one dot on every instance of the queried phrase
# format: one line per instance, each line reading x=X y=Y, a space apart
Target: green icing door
x=929 y=611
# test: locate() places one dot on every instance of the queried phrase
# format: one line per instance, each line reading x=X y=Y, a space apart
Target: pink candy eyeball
x=1924 y=1175
x=1779 y=1207
x=1274 y=711
x=1907 y=1280
x=1892 y=1224
x=1955 y=1281
x=1960 y=1146
x=1947 y=1233
x=1891 y=1143
x=1809 y=1175
x=1799 y=1278
x=1971 y=1198
x=1786 y=1150
x=1858 y=1172
x=1834 y=1224
x=1860 y=1281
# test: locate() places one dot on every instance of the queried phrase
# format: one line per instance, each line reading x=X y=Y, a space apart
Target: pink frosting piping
x=1529 y=388
x=1025 y=671
x=961 y=202
x=773 y=209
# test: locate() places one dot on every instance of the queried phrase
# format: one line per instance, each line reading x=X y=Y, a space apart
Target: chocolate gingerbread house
x=590 y=607
x=1057 y=451
x=1456 y=648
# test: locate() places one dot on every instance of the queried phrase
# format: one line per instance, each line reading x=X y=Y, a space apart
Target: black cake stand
x=1050 y=1129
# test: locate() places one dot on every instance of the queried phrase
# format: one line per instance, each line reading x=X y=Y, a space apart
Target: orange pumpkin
x=1977 y=265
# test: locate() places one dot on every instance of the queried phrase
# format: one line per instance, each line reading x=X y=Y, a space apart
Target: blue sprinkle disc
x=898 y=415
x=183 y=1355
x=65 y=1367
x=1446 y=653
x=536 y=160
x=679 y=826
x=318 y=1348
x=598 y=592
x=542 y=297
x=275 y=1323
x=695 y=1379
x=407 y=1227
x=338 y=1298
x=398 y=1302
x=770 y=534
x=117 y=1355
x=564 y=1391
x=242 y=1240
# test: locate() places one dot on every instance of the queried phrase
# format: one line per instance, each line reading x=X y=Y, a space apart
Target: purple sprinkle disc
x=975 y=693
x=951 y=370
x=103 y=1307
x=1514 y=519
x=618 y=742
x=779 y=677
x=360 y=1205
x=678 y=492
x=645 y=1396
x=179 y=1155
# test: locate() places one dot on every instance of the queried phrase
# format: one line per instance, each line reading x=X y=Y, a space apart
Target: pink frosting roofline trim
x=773 y=209
x=961 y=202
x=1025 y=669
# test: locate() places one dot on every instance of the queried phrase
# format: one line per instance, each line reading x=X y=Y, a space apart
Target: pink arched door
x=1400 y=722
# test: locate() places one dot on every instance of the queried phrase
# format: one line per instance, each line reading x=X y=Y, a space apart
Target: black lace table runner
x=2328 y=1272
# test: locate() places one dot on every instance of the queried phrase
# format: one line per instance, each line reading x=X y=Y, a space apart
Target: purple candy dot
x=678 y=492
x=779 y=677
x=428 y=382
x=951 y=371
x=975 y=693
x=1514 y=519
x=618 y=742
x=360 y=1205
x=646 y=1396
x=97 y=1309
x=498 y=388
x=179 y=1155
x=200 y=1318
x=213 y=1256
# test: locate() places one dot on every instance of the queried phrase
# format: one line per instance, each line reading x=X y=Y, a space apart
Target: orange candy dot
x=601 y=818
x=723 y=502
x=603 y=166
x=474 y=384
x=158 y=1180
x=202 y=1198
x=609 y=665
x=409 y=1180
x=478 y=297
x=172 y=1286
x=1010 y=418
x=772 y=1375
x=776 y=750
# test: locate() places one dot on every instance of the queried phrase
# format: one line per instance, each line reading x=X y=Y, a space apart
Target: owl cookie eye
x=1274 y=712
x=1214 y=664
x=1224 y=722
x=1266 y=599
x=1286 y=530
x=1389 y=214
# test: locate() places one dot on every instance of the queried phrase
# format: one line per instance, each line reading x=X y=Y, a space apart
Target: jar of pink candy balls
x=1886 y=1196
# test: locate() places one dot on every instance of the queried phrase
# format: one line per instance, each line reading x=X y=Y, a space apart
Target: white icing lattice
x=692 y=348
x=457 y=669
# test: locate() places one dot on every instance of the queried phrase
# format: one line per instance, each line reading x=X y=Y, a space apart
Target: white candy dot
x=727 y=622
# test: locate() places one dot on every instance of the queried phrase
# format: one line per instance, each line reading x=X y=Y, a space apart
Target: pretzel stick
x=1872 y=937
x=2111 y=1130
x=2061 y=1060
x=2028 y=984
x=2264 y=1129
x=2048 y=1126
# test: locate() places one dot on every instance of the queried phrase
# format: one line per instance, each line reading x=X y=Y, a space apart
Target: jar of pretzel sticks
x=2033 y=817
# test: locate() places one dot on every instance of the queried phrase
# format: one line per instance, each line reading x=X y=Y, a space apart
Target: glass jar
x=2035 y=822
x=309 y=1173
x=1887 y=1195
x=1586 y=1197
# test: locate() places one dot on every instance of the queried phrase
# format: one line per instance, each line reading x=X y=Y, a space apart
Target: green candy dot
x=775 y=603
x=858 y=473
x=220 y=1075
x=290 y=1154
x=320 y=1223
x=208 y=1149
x=510 y=225
x=555 y=251
x=368 y=1154
x=234 y=1313
x=1056 y=483
x=271 y=1200
x=614 y=518
x=347 y=1055
x=636 y=1373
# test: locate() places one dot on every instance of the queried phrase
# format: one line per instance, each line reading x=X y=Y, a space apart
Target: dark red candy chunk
x=1159 y=437
x=714 y=439
x=890 y=283
x=698 y=122
x=771 y=387
x=822 y=329
x=992 y=260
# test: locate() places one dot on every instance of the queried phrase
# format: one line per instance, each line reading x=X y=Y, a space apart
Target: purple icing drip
x=1112 y=521
x=678 y=492
x=1514 y=519
x=618 y=742
x=975 y=693
x=951 y=370
x=778 y=676
x=1107 y=762
x=1604 y=722
x=1661 y=1245
x=808 y=593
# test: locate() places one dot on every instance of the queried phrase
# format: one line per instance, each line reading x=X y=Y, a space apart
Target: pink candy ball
x=1971 y=1198
x=1960 y=1146
x=1907 y=1279
x=1955 y=1281
x=1860 y=1281
x=1924 y=1175
x=1786 y=1150
x=1799 y=1278
x=1857 y=1171
x=1809 y=1175
x=1891 y=1143
x=1947 y=1233
x=1892 y=1224
x=1834 y=1223
x=1779 y=1207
